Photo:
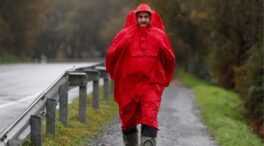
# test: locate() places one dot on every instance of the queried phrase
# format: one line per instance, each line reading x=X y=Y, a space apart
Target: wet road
x=20 y=84
x=179 y=122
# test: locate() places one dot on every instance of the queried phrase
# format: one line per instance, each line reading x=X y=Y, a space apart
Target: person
x=140 y=61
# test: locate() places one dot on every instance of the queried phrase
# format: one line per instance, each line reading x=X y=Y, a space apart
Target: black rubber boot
x=148 y=135
x=131 y=139
x=148 y=141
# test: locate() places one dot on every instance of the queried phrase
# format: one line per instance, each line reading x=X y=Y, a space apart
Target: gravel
x=179 y=122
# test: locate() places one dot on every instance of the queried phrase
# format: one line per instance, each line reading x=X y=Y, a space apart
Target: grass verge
x=77 y=133
x=222 y=111
x=6 y=58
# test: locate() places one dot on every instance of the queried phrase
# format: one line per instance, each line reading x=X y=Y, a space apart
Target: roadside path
x=179 y=122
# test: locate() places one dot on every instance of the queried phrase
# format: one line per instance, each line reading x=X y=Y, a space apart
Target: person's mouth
x=143 y=23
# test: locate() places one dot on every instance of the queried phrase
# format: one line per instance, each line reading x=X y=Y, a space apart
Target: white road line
x=19 y=101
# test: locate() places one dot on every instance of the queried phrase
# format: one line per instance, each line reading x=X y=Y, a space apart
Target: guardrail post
x=63 y=102
x=80 y=79
x=104 y=74
x=82 y=103
x=106 y=87
x=51 y=116
x=96 y=93
x=93 y=75
x=35 y=124
x=112 y=86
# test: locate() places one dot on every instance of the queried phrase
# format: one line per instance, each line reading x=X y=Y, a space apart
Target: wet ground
x=179 y=122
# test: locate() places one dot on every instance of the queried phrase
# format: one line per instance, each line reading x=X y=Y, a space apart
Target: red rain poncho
x=140 y=60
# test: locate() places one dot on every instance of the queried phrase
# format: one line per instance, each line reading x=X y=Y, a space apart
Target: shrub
x=249 y=83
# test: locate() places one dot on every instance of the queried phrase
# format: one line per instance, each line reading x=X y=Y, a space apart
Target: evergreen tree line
x=59 y=28
x=220 y=41
x=20 y=22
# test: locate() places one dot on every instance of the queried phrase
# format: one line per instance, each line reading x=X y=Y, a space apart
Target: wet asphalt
x=179 y=122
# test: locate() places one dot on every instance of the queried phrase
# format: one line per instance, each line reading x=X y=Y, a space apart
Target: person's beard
x=143 y=23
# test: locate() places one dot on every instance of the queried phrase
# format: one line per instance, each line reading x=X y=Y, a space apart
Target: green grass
x=6 y=58
x=77 y=133
x=222 y=111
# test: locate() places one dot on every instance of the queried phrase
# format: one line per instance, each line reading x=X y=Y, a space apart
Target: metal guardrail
x=29 y=123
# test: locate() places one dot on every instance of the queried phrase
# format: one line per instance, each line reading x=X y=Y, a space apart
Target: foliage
x=80 y=28
x=250 y=85
x=237 y=25
x=20 y=22
x=60 y=29
x=222 y=111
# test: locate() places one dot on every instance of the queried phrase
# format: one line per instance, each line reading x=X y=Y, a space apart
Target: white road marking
x=19 y=101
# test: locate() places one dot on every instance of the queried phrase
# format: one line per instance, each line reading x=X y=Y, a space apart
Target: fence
x=29 y=123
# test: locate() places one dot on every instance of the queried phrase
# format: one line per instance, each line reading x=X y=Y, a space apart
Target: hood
x=156 y=20
x=143 y=8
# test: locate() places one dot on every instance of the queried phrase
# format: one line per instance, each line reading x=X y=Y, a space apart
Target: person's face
x=143 y=18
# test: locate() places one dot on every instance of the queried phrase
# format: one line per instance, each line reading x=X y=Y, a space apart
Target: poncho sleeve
x=167 y=59
x=114 y=53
